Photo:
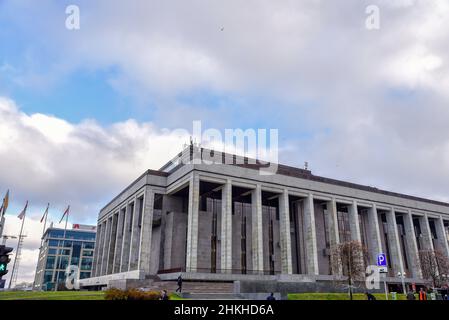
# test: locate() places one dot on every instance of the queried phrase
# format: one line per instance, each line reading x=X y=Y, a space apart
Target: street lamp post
x=402 y=276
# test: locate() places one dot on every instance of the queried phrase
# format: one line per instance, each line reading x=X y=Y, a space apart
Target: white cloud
x=46 y=159
x=49 y=159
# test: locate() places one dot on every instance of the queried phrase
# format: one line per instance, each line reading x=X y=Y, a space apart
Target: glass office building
x=60 y=249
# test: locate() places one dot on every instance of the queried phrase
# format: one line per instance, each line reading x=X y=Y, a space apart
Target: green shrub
x=115 y=294
x=134 y=294
x=131 y=294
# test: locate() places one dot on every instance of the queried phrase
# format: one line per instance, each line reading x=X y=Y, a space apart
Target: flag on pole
x=65 y=212
x=45 y=213
x=22 y=214
x=4 y=204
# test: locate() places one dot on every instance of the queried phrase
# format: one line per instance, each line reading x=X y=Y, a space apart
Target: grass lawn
x=174 y=296
x=338 y=296
x=61 y=295
x=99 y=295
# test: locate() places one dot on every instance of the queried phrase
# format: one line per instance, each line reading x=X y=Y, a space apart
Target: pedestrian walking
x=422 y=295
x=179 y=289
x=411 y=295
x=271 y=297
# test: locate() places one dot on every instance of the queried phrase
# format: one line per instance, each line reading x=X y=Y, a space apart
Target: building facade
x=62 y=248
x=232 y=222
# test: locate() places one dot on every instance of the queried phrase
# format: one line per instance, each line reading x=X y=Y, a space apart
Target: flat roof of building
x=69 y=230
x=249 y=163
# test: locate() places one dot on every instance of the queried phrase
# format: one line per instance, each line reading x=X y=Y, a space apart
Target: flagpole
x=66 y=220
x=15 y=258
x=3 y=211
x=45 y=224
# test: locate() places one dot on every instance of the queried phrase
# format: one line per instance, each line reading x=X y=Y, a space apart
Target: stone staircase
x=212 y=296
x=196 y=290
x=194 y=287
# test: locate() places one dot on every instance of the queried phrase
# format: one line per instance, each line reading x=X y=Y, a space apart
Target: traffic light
x=4 y=259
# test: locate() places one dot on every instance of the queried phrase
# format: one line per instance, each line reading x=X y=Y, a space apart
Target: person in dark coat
x=271 y=297
x=164 y=295
x=179 y=284
x=411 y=295
x=369 y=296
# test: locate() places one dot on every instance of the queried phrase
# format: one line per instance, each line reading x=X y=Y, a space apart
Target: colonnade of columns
x=124 y=238
x=123 y=241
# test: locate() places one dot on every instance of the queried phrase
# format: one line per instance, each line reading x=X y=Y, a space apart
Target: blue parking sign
x=381 y=260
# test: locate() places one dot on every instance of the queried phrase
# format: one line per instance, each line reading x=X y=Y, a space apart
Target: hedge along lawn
x=339 y=296
x=51 y=295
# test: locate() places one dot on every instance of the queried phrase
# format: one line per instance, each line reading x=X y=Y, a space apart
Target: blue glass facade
x=59 y=252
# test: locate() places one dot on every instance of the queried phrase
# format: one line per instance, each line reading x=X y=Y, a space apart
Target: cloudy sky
x=84 y=112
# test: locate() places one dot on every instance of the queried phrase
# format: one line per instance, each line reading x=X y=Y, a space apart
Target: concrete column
x=111 y=244
x=146 y=232
x=100 y=257
x=118 y=241
x=354 y=223
x=310 y=236
x=374 y=234
x=441 y=234
x=427 y=242
x=284 y=224
x=107 y=235
x=256 y=228
x=126 y=237
x=395 y=245
x=333 y=223
x=334 y=235
x=96 y=251
x=412 y=246
x=100 y=249
x=226 y=227
x=135 y=237
x=192 y=224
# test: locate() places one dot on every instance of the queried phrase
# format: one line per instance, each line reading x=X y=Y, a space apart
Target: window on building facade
x=48 y=276
x=88 y=253
x=343 y=226
x=64 y=252
x=140 y=203
x=50 y=262
x=271 y=238
x=433 y=229
x=88 y=245
x=86 y=263
x=212 y=207
x=63 y=262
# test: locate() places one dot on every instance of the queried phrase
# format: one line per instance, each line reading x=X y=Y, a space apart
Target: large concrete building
x=228 y=222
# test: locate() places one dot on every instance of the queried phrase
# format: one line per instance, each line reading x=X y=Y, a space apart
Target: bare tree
x=434 y=266
x=348 y=259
